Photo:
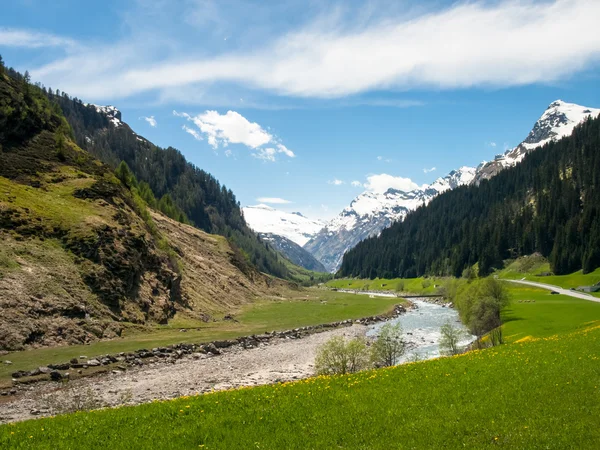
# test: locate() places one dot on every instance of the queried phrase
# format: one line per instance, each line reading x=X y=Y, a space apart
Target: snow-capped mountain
x=371 y=212
x=558 y=121
x=294 y=226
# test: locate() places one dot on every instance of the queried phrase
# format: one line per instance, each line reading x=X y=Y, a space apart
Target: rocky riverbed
x=268 y=362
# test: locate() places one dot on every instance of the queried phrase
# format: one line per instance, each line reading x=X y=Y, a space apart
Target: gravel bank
x=281 y=360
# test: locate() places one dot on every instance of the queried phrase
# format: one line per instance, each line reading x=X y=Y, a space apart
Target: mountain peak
x=293 y=226
x=111 y=112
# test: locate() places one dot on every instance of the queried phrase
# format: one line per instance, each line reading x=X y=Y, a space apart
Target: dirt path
x=282 y=360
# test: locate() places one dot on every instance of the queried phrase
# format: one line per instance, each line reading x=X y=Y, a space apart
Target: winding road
x=558 y=289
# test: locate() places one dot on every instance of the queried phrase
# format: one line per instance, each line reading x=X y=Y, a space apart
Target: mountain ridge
x=370 y=213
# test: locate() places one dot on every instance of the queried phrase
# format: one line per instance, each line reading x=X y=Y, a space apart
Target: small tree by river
x=338 y=356
x=449 y=342
x=389 y=346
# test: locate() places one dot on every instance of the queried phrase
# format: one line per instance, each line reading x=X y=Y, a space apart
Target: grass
x=530 y=271
x=305 y=276
x=536 y=394
x=54 y=205
x=537 y=313
x=310 y=307
x=407 y=285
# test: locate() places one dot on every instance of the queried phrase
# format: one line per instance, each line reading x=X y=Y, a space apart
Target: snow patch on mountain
x=294 y=226
x=111 y=112
x=558 y=121
x=371 y=212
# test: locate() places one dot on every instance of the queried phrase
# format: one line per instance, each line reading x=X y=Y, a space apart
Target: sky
x=305 y=104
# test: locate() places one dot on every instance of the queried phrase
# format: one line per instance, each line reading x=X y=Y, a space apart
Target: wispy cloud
x=356 y=183
x=233 y=128
x=431 y=169
x=192 y=132
x=273 y=200
x=151 y=121
x=335 y=182
x=10 y=37
x=476 y=43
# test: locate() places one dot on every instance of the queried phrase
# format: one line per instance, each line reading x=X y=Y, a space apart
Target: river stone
x=93 y=363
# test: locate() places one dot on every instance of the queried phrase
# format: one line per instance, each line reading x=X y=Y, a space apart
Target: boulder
x=55 y=375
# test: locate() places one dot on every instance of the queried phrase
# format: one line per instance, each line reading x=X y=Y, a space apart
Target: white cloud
x=382 y=182
x=273 y=200
x=10 y=37
x=379 y=158
x=192 y=132
x=356 y=183
x=335 y=182
x=151 y=121
x=492 y=144
x=432 y=169
x=233 y=128
x=474 y=43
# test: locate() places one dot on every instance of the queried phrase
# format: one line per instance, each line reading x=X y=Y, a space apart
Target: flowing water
x=421 y=329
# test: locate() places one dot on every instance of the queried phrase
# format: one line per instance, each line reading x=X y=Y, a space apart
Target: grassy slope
x=518 y=270
x=542 y=394
x=309 y=307
x=411 y=285
x=536 y=312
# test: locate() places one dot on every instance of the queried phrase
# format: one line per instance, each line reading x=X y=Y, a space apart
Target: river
x=421 y=327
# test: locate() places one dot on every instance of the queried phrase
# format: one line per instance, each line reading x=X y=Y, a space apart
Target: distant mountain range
x=371 y=212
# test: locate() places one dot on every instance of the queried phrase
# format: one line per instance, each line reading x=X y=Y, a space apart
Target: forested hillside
x=549 y=203
x=81 y=257
x=183 y=191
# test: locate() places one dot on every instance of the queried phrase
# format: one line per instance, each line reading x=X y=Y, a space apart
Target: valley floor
x=284 y=360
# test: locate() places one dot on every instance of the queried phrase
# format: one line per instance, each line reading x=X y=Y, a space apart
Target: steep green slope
x=549 y=203
x=206 y=203
x=81 y=257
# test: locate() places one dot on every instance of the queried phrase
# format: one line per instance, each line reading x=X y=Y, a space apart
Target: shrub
x=451 y=336
x=338 y=356
x=389 y=345
x=400 y=286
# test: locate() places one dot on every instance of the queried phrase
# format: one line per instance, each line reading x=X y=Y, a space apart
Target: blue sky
x=312 y=102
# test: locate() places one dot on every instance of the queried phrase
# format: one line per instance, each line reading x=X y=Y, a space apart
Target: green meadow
x=536 y=313
x=419 y=285
x=540 y=394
